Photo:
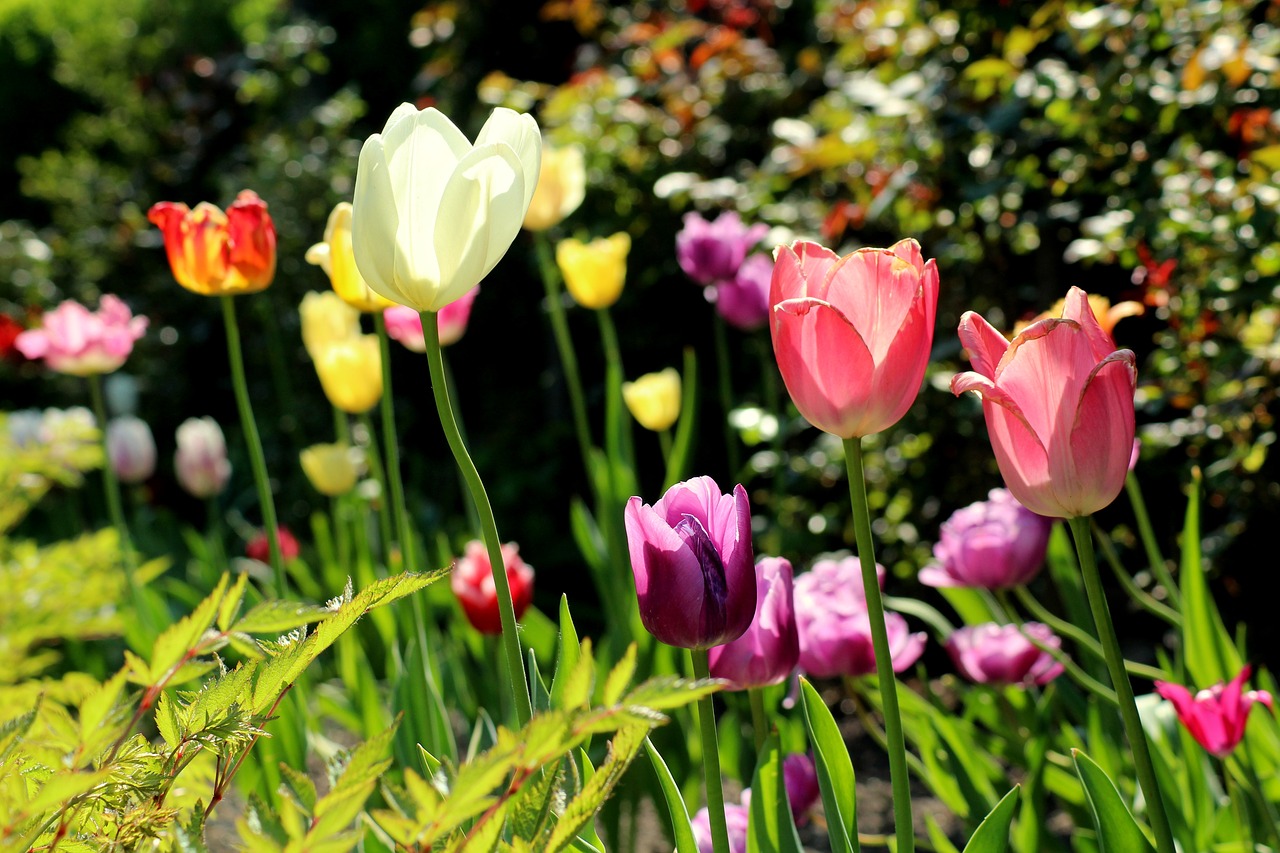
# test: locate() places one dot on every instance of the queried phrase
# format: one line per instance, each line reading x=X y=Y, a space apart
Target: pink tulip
x=81 y=342
x=852 y=334
x=801 y=779
x=737 y=817
x=1005 y=654
x=1215 y=716
x=990 y=544
x=743 y=301
x=1058 y=402
x=710 y=252
x=768 y=651
x=405 y=324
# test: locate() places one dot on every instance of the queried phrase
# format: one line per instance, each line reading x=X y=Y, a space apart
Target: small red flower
x=259 y=550
x=473 y=584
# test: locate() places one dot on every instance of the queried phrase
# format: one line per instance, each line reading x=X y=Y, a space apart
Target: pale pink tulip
x=852 y=334
x=1215 y=716
x=1058 y=402
x=81 y=342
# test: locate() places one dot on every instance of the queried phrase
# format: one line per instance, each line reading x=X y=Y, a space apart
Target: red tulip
x=472 y=583
x=1215 y=716
x=852 y=334
x=1058 y=401
x=258 y=549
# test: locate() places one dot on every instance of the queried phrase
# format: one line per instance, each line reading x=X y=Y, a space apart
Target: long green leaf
x=680 y=827
x=1118 y=832
x=1210 y=655
x=835 y=771
x=992 y=835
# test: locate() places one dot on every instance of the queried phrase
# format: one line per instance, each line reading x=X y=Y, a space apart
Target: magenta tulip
x=852 y=334
x=801 y=779
x=767 y=652
x=711 y=252
x=1058 y=402
x=990 y=544
x=1005 y=654
x=81 y=342
x=1216 y=716
x=693 y=565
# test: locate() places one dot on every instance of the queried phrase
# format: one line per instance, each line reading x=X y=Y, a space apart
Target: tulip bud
x=326 y=319
x=131 y=448
x=1005 y=654
x=654 y=399
x=594 y=272
x=472 y=583
x=562 y=184
x=201 y=458
x=350 y=373
x=990 y=544
x=331 y=468
x=338 y=261
x=769 y=649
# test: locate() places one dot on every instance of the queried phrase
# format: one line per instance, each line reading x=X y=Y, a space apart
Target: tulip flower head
x=990 y=544
x=737 y=816
x=350 y=373
x=131 y=448
x=330 y=468
x=326 y=319
x=852 y=334
x=338 y=261
x=562 y=185
x=1005 y=654
x=743 y=301
x=405 y=324
x=801 y=780
x=258 y=549
x=1058 y=401
x=201 y=458
x=594 y=272
x=693 y=565
x=433 y=214
x=769 y=649
x=214 y=253
x=711 y=252
x=81 y=342
x=1216 y=716
x=654 y=399
x=472 y=583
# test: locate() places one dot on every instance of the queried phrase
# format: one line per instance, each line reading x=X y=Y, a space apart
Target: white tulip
x=433 y=214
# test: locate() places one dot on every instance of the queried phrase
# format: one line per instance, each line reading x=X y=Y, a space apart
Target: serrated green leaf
x=181 y=638
x=835 y=771
x=274 y=616
x=12 y=731
x=771 y=827
x=167 y=721
x=567 y=653
x=992 y=835
x=624 y=747
x=231 y=603
x=666 y=692
x=1118 y=832
x=616 y=683
x=681 y=829
x=57 y=790
x=530 y=811
x=300 y=786
x=580 y=682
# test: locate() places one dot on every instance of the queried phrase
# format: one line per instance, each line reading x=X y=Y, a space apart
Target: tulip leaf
x=540 y=697
x=567 y=656
x=681 y=829
x=771 y=827
x=1211 y=657
x=1118 y=832
x=835 y=771
x=679 y=457
x=992 y=835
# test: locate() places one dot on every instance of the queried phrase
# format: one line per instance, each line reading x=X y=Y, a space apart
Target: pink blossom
x=81 y=342
x=405 y=324
x=1216 y=715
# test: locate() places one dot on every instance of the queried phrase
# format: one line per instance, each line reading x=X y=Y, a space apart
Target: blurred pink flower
x=81 y=342
x=743 y=301
x=768 y=651
x=405 y=324
x=711 y=252
x=258 y=549
x=1004 y=654
x=990 y=544
x=1216 y=716
x=737 y=816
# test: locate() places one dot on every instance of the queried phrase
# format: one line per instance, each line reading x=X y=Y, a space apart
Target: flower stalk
x=711 y=756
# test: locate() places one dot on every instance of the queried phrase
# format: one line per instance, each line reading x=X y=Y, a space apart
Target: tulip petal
x=874 y=289
x=666 y=570
x=1076 y=307
x=398 y=115
x=520 y=131
x=898 y=375
x=374 y=221
x=483 y=200
x=1102 y=434
x=984 y=343
x=824 y=364
x=798 y=267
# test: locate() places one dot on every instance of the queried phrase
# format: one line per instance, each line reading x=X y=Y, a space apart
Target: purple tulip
x=801 y=779
x=693 y=565
x=743 y=301
x=768 y=651
x=737 y=817
x=989 y=544
x=710 y=252
x=131 y=448
x=835 y=630
x=1004 y=654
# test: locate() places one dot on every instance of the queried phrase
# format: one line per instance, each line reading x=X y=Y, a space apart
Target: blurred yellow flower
x=594 y=272
x=326 y=319
x=331 y=468
x=350 y=372
x=654 y=399
x=338 y=261
x=562 y=184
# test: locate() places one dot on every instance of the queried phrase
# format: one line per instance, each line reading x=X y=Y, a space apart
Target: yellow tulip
x=338 y=261
x=654 y=399
x=326 y=319
x=594 y=272
x=331 y=468
x=350 y=372
x=562 y=184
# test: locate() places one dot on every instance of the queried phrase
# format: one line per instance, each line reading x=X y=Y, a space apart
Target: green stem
x=380 y=474
x=1073 y=670
x=711 y=757
x=726 y=399
x=1159 y=568
x=256 y=458
x=759 y=718
x=1120 y=681
x=392 y=448
x=665 y=443
x=903 y=825
x=116 y=507
x=1143 y=598
x=488 y=525
x=564 y=343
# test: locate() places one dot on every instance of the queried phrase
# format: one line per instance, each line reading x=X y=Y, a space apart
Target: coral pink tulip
x=768 y=651
x=81 y=342
x=472 y=583
x=852 y=334
x=1058 y=401
x=1215 y=716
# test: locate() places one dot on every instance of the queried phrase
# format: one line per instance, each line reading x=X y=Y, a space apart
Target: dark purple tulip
x=990 y=544
x=693 y=565
x=1004 y=654
x=743 y=301
x=767 y=652
x=710 y=252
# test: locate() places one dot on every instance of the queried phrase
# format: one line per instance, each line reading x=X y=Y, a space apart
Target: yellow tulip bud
x=562 y=184
x=331 y=468
x=351 y=373
x=326 y=319
x=338 y=261
x=654 y=399
x=594 y=272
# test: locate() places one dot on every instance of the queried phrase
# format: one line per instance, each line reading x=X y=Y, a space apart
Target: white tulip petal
x=375 y=220
x=520 y=131
x=483 y=211
x=400 y=113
